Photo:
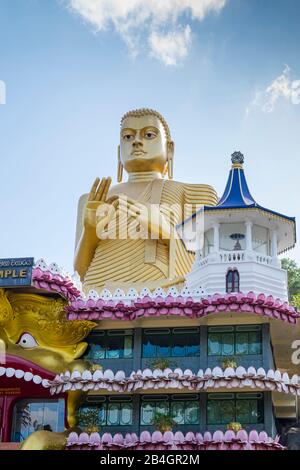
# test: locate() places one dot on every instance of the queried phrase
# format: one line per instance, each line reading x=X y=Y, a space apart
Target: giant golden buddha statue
x=118 y=242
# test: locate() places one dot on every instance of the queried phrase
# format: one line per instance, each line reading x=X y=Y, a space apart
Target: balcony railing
x=230 y=256
x=236 y=257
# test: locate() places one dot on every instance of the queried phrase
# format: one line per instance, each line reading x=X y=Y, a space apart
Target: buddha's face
x=144 y=145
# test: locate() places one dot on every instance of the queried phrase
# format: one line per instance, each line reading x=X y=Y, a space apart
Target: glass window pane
x=192 y=412
x=177 y=412
x=193 y=350
x=147 y=413
x=254 y=413
x=236 y=281
x=227 y=344
x=101 y=414
x=31 y=416
x=242 y=412
x=255 y=346
x=128 y=340
x=220 y=411
x=193 y=346
x=126 y=414
x=163 y=350
x=149 y=349
x=242 y=343
x=115 y=346
x=214 y=344
x=113 y=414
x=156 y=345
x=213 y=412
x=227 y=411
x=162 y=407
x=96 y=351
x=179 y=345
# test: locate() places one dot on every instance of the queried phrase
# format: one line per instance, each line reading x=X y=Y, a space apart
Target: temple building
x=195 y=353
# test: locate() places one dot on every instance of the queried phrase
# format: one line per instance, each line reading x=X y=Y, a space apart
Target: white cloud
x=160 y=25
x=170 y=47
x=281 y=87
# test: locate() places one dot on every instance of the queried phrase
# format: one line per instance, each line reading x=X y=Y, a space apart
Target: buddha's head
x=145 y=143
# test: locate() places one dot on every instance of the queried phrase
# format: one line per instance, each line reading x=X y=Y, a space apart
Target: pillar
x=248 y=225
x=274 y=244
x=216 y=238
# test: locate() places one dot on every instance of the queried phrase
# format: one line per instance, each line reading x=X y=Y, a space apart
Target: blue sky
x=225 y=78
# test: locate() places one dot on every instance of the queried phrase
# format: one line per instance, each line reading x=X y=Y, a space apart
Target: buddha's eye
x=150 y=135
x=27 y=341
x=128 y=137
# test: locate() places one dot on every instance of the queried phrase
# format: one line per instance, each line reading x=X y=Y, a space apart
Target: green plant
x=88 y=419
x=161 y=363
x=235 y=427
x=91 y=366
x=293 y=271
x=229 y=362
x=163 y=422
x=296 y=301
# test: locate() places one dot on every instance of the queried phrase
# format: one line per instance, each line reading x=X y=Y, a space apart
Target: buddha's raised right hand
x=97 y=196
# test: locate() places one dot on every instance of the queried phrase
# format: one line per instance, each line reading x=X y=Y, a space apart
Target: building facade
x=195 y=353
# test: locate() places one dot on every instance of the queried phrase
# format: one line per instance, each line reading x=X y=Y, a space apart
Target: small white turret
x=237 y=242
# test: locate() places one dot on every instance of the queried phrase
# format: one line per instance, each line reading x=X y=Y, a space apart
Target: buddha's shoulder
x=190 y=187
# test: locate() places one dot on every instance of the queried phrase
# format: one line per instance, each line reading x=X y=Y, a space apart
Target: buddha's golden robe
x=119 y=263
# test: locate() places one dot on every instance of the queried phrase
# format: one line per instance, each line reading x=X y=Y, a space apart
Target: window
x=111 y=344
x=208 y=242
x=232 y=237
x=261 y=240
x=234 y=340
x=36 y=415
x=244 y=408
x=184 y=409
x=109 y=411
x=233 y=281
x=174 y=342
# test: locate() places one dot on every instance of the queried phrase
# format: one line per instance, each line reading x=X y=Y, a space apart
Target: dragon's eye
x=27 y=341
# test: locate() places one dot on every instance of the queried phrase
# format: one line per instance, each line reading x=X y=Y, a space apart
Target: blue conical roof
x=236 y=193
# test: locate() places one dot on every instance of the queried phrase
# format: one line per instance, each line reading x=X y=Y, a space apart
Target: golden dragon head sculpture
x=35 y=329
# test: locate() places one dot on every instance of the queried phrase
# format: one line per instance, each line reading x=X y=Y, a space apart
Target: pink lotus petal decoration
x=146 y=306
x=155 y=441
x=156 y=379
x=54 y=279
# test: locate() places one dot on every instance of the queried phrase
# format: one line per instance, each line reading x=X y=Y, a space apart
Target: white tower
x=237 y=242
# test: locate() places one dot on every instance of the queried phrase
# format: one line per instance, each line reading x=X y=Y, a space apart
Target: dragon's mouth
x=16 y=372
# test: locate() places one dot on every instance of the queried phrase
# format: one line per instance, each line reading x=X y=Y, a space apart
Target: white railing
x=230 y=256
x=264 y=259
x=236 y=257
x=203 y=262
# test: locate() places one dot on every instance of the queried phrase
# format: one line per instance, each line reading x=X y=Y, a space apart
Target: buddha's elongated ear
x=171 y=147
x=120 y=166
